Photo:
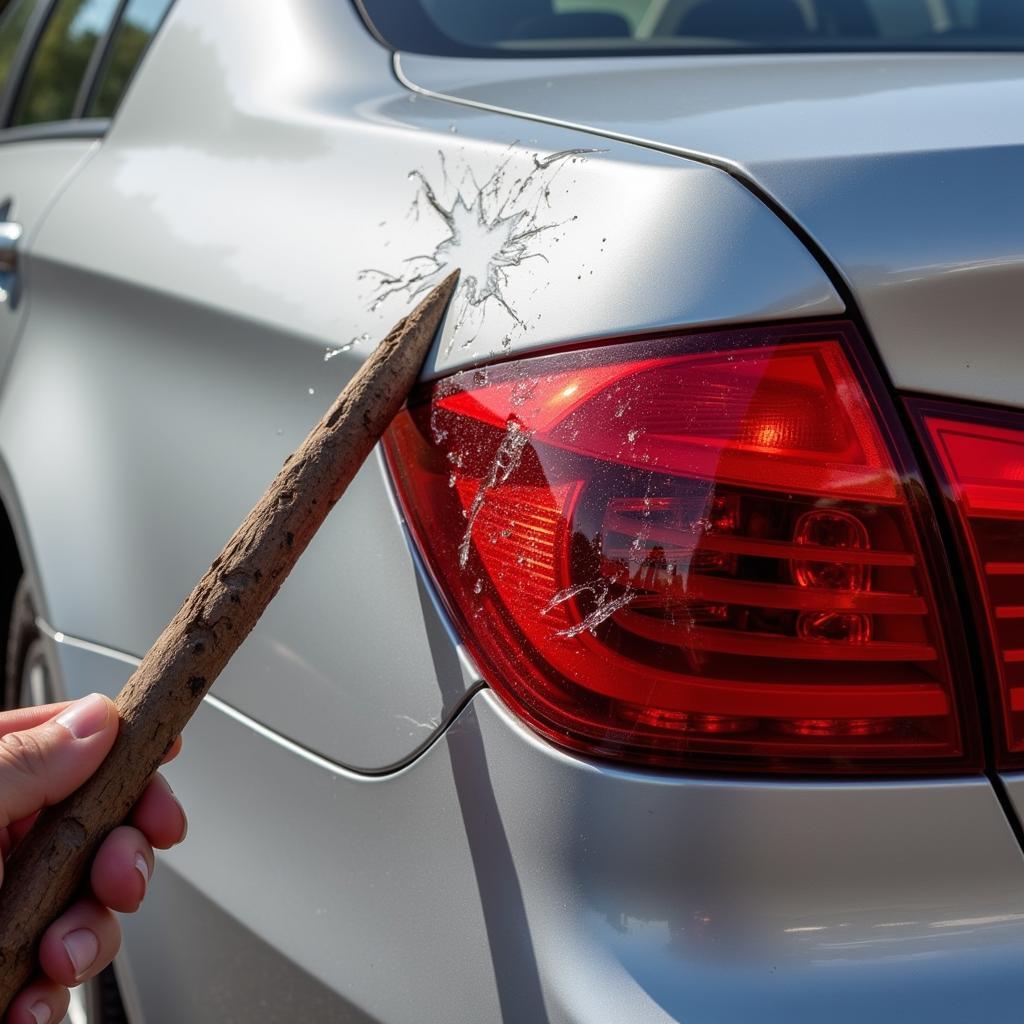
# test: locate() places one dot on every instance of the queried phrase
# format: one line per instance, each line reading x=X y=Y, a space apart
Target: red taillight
x=979 y=457
x=688 y=551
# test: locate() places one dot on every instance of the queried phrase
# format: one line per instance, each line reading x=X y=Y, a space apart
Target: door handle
x=10 y=236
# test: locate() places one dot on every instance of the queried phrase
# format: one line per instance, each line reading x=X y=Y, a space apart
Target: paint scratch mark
x=490 y=230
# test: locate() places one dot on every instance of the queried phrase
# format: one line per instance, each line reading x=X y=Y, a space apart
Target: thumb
x=41 y=766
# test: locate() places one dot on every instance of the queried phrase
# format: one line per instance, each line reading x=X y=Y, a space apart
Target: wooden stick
x=47 y=868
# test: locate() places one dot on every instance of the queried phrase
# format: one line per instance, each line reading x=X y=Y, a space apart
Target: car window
x=904 y=17
x=137 y=27
x=61 y=59
x=13 y=23
x=544 y=28
x=632 y=11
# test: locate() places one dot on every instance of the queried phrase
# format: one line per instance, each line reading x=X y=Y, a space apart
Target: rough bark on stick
x=47 y=868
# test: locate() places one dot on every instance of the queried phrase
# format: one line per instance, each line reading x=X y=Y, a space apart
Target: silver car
x=667 y=661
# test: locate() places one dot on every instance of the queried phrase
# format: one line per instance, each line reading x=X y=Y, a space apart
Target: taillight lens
x=694 y=550
x=979 y=457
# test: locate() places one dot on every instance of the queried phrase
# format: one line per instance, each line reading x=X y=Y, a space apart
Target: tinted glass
x=544 y=28
x=59 y=63
x=138 y=25
x=13 y=23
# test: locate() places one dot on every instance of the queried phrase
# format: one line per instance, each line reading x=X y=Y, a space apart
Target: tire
x=30 y=677
x=22 y=635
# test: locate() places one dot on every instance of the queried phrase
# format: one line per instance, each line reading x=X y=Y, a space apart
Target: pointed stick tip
x=433 y=307
x=447 y=286
x=452 y=280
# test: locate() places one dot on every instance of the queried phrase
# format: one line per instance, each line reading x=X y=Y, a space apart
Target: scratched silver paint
x=194 y=302
x=491 y=230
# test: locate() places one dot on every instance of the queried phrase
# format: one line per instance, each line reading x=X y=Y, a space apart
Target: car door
x=50 y=52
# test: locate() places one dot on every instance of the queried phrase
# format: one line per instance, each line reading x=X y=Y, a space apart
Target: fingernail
x=142 y=866
x=41 y=1012
x=184 y=817
x=85 y=717
x=83 y=947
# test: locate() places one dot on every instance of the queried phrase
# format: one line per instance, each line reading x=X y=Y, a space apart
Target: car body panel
x=31 y=176
x=1014 y=786
x=188 y=347
x=498 y=878
x=904 y=169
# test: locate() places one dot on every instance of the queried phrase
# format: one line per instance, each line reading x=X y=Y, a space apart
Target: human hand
x=46 y=753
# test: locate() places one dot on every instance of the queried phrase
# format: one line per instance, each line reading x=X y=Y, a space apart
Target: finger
x=122 y=869
x=173 y=751
x=80 y=943
x=17 y=829
x=40 y=1002
x=159 y=816
x=43 y=764
x=19 y=719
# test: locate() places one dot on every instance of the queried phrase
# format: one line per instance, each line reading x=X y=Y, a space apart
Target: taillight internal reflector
x=687 y=551
x=979 y=457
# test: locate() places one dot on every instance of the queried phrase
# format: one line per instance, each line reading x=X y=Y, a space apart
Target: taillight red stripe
x=978 y=454
x=779 y=595
x=768 y=701
x=805 y=552
x=766 y=645
x=1004 y=568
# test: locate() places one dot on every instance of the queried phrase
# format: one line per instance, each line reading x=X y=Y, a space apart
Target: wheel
x=31 y=678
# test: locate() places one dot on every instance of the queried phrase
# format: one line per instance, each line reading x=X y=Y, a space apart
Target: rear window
x=61 y=59
x=544 y=28
x=138 y=25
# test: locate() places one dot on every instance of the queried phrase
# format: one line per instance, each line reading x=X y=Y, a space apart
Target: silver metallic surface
x=905 y=169
x=1014 y=786
x=31 y=176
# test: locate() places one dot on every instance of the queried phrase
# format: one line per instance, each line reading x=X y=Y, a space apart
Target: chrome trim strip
x=85 y=645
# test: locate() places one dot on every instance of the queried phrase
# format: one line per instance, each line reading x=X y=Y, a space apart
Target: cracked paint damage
x=492 y=230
